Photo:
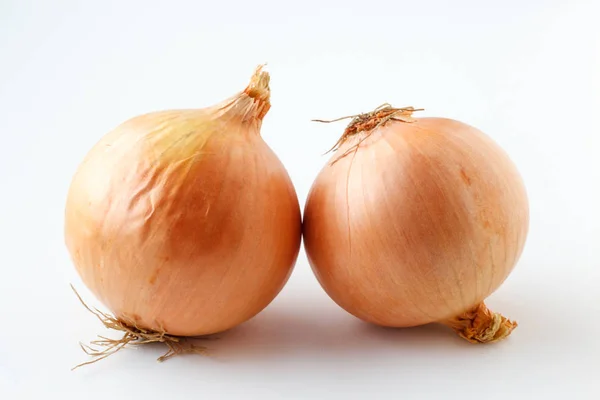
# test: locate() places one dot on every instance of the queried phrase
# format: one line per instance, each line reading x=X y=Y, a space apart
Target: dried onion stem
x=481 y=325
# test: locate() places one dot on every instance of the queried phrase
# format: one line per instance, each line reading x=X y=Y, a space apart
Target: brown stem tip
x=480 y=325
x=132 y=335
x=259 y=90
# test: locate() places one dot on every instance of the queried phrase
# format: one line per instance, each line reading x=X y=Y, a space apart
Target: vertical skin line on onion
x=449 y=211
x=183 y=223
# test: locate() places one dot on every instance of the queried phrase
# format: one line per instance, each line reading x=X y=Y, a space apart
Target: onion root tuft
x=132 y=335
x=368 y=122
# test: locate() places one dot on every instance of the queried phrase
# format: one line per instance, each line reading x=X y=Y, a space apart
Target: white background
x=525 y=72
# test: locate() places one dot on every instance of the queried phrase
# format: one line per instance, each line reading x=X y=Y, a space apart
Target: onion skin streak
x=417 y=221
x=185 y=221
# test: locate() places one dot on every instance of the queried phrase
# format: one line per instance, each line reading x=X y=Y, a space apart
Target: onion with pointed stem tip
x=415 y=221
x=185 y=222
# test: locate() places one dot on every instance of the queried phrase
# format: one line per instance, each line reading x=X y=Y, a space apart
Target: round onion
x=417 y=221
x=184 y=221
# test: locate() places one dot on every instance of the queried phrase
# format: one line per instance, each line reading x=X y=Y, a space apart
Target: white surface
x=525 y=72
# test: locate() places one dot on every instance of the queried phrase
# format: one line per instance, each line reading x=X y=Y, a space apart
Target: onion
x=416 y=221
x=185 y=222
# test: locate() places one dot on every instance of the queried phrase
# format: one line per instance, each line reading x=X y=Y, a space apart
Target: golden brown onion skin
x=185 y=221
x=421 y=223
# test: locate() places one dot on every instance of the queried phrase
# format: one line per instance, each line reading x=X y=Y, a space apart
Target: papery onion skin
x=417 y=221
x=185 y=221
